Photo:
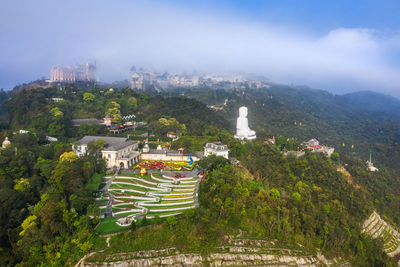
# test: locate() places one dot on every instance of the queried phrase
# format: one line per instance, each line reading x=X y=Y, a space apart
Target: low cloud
x=162 y=37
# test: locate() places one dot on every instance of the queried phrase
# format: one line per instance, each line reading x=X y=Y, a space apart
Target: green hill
x=375 y=102
x=332 y=119
x=298 y=209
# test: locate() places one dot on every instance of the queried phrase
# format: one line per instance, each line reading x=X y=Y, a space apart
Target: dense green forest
x=46 y=191
x=305 y=113
x=374 y=102
x=44 y=201
x=34 y=110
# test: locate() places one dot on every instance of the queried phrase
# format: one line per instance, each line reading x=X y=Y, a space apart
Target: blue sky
x=339 y=46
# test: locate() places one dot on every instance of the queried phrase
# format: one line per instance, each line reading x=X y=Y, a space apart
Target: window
x=109 y=156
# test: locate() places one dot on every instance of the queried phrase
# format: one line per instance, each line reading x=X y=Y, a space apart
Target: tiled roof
x=112 y=143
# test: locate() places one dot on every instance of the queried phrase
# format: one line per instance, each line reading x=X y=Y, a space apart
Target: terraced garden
x=151 y=195
x=376 y=227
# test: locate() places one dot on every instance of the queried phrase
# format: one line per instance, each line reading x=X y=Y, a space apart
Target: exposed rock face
x=376 y=227
x=174 y=260
x=237 y=252
x=215 y=259
x=224 y=259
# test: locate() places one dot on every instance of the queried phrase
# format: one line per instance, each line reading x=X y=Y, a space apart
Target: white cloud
x=170 y=38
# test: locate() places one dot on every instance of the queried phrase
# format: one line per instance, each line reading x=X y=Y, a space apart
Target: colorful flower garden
x=164 y=165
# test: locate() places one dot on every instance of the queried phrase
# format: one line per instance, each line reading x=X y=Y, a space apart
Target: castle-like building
x=79 y=72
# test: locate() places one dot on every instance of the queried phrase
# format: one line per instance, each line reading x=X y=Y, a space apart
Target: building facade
x=117 y=151
x=80 y=72
x=217 y=149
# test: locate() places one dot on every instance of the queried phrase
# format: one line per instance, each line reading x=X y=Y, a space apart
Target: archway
x=122 y=165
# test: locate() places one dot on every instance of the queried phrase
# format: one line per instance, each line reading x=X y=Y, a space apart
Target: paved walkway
x=196 y=192
x=108 y=212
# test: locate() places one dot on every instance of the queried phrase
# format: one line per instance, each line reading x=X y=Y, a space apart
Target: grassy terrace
x=127 y=186
x=133 y=181
x=176 y=201
x=169 y=203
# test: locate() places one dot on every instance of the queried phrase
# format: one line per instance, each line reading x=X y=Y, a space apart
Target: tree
x=274 y=193
x=167 y=124
x=69 y=157
x=28 y=223
x=132 y=102
x=96 y=146
x=88 y=97
x=56 y=112
x=212 y=162
x=296 y=196
x=114 y=112
x=22 y=185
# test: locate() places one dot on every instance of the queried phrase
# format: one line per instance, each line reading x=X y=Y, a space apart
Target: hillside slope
x=374 y=102
x=305 y=113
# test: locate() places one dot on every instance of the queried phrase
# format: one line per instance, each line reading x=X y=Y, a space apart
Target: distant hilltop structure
x=79 y=72
x=314 y=146
x=370 y=165
x=142 y=79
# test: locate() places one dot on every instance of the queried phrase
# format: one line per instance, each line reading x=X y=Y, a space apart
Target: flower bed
x=164 y=165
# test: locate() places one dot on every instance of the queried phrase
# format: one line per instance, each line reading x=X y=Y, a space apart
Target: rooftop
x=217 y=146
x=112 y=143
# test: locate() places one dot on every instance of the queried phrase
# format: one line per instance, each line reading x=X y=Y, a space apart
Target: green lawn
x=176 y=201
x=101 y=202
x=108 y=226
x=128 y=186
x=169 y=207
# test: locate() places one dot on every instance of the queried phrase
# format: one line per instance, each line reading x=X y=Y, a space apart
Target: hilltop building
x=122 y=152
x=171 y=135
x=118 y=151
x=141 y=79
x=79 y=72
x=314 y=146
x=216 y=148
x=370 y=165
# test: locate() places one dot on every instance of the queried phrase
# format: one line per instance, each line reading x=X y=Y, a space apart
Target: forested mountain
x=4 y=96
x=375 y=102
x=307 y=202
x=305 y=113
x=34 y=110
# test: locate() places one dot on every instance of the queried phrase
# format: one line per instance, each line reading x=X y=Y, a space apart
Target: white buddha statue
x=242 y=127
x=6 y=143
